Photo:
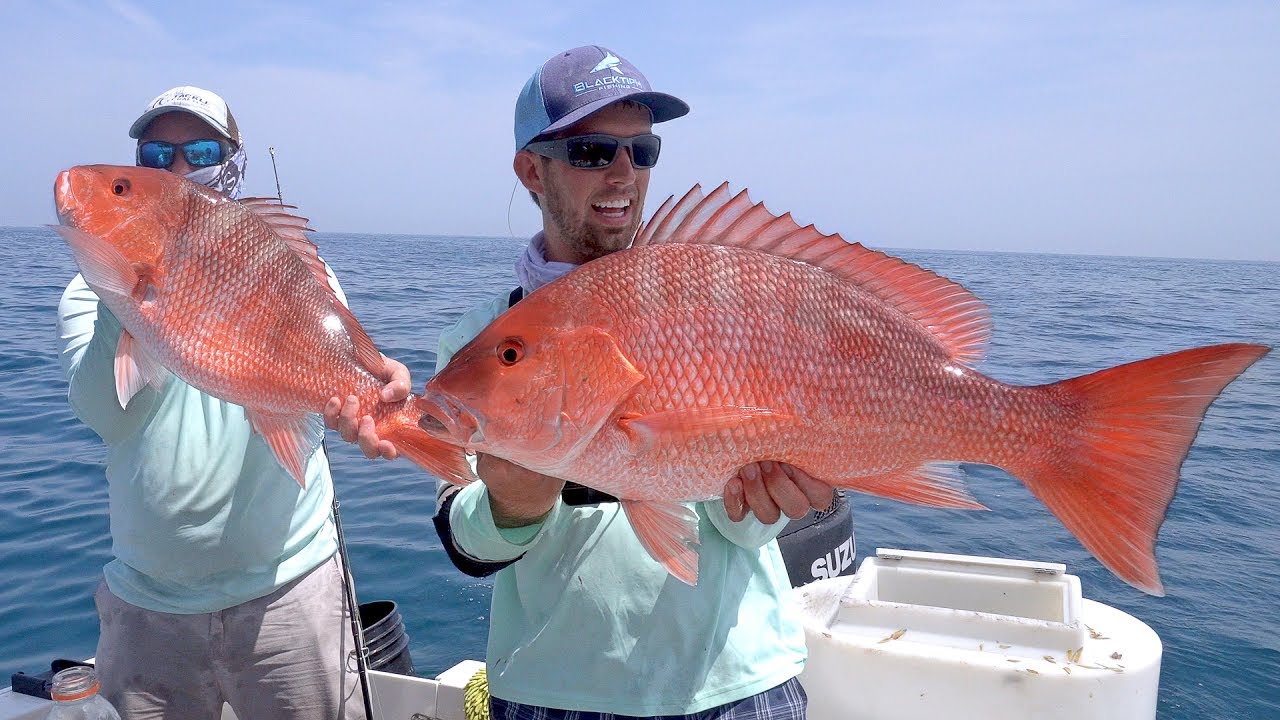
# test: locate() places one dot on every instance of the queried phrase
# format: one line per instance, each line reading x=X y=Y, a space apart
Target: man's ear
x=527 y=170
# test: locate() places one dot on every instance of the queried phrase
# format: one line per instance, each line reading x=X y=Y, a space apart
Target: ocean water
x=1054 y=316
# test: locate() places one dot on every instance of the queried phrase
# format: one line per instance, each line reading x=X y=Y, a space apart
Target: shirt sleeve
x=464 y=521
x=477 y=536
x=87 y=337
x=749 y=533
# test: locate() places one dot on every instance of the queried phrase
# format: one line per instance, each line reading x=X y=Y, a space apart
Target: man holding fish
x=226 y=584
x=720 y=335
x=583 y=619
x=667 y=372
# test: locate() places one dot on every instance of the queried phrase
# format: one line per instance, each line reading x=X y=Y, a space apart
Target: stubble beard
x=585 y=242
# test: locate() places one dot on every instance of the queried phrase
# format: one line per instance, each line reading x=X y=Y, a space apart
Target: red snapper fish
x=727 y=335
x=233 y=299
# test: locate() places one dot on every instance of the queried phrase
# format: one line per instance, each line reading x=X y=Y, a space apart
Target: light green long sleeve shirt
x=587 y=620
x=203 y=517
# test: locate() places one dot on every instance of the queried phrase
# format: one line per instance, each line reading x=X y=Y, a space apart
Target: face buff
x=226 y=178
x=533 y=268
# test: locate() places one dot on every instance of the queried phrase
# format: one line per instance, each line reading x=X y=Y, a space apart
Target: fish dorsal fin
x=366 y=351
x=293 y=229
x=952 y=314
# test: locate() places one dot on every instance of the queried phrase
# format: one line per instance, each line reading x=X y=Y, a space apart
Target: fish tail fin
x=1111 y=476
x=445 y=461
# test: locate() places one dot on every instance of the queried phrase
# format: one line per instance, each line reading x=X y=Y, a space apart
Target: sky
x=1118 y=128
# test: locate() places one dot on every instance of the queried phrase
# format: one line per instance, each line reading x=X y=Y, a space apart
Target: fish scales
x=233 y=299
x=728 y=335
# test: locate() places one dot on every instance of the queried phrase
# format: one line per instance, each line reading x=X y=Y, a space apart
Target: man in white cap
x=584 y=624
x=226 y=584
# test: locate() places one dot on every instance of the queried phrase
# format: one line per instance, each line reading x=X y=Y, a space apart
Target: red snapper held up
x=233 y=299
x=727 y=335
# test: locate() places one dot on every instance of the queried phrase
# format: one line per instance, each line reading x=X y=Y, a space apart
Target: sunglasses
x=198 y=153
x=593 y=152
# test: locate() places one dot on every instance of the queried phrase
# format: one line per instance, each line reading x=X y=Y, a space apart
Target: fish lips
x=445 y=420
x=63 y=197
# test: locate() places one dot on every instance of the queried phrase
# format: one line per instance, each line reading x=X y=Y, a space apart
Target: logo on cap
x=610 y=62
x=179 y=97
x=618 y=81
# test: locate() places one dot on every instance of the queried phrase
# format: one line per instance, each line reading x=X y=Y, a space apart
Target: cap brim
x=663 y=106
x=140 y=125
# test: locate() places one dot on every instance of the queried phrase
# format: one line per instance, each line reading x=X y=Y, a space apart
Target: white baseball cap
x=204 y=104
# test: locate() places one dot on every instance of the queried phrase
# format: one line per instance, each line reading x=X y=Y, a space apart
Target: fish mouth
x=63 y=197
x=444 y=419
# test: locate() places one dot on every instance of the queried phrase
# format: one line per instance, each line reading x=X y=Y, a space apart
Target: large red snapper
x=232 y=298
x=727 y=335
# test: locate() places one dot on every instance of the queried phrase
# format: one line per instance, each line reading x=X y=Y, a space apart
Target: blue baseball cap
x=578 y=82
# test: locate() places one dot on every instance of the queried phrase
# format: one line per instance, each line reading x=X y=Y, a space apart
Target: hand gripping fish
x=727 y=335
x=233 y=299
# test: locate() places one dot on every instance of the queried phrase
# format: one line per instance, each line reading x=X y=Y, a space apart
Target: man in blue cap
x=584 y=623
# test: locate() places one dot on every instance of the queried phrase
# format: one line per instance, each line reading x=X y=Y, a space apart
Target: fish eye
x=121 y=186
x=510 y=351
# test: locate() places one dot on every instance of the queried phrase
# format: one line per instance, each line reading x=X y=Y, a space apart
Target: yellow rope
x=475 y=697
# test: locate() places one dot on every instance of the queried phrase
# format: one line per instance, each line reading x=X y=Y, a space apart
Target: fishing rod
x=349 y=583
x=357 y=631
x=272 y=152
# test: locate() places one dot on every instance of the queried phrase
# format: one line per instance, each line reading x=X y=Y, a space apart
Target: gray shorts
x=283 y=656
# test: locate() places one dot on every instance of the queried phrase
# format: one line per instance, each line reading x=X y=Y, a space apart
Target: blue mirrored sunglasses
x=592 y=152
x=198 y=153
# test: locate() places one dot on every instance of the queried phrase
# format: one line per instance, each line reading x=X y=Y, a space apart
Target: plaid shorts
x=784 y=702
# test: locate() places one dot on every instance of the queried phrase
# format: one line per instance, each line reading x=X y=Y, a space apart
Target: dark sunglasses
x=593 y=152
x=198 y=153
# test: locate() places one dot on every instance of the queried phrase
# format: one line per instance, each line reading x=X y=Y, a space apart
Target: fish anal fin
x=955 y=317
x=293 y=438
x=939 y=485
x=669 y=532
x=672 y=427
x=134 y=369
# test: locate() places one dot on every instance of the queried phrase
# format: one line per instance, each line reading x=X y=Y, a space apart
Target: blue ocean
x=1055 y=316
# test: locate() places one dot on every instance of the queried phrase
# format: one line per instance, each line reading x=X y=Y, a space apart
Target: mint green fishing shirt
x=203 y=517
x=587 y=620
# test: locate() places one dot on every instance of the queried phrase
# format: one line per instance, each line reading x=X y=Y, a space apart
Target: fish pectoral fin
x=938 y=484
x=103 y=267
x=135 y=368
x=669 y=531
x=648 y=432
x=292 y=438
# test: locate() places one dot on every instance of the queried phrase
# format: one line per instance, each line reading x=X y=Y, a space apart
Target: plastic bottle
x=75 y=697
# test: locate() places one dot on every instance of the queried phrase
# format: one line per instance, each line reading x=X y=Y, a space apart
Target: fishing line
x=510 y=202
x=348 y=581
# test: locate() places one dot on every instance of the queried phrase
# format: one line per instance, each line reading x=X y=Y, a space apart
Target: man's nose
x=180 y=166
x=622 y=169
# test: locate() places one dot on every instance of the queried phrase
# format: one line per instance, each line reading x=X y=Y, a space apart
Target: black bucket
x=385 y=637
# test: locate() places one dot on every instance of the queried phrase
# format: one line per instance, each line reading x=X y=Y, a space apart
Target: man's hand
x=517 y=496
x=341 y=415
x=770 y=490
